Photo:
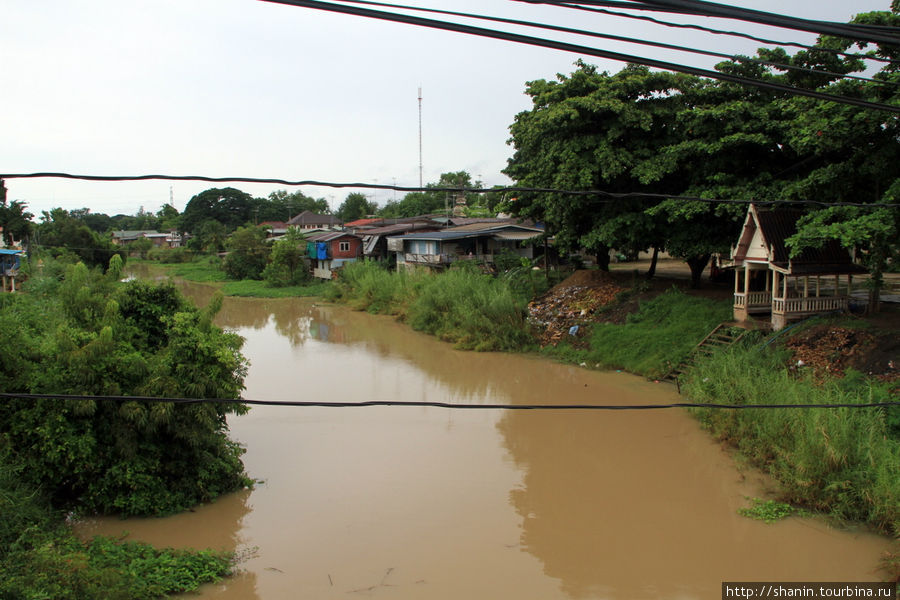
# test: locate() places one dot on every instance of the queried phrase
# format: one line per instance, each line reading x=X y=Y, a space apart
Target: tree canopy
x=229 y=206
x=356 y=206
x=642 y=132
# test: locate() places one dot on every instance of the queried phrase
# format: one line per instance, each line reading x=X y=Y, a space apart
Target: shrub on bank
x=842 y=461
x=464 y=306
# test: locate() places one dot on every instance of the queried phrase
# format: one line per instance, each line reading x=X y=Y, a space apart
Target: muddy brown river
x=432 y=503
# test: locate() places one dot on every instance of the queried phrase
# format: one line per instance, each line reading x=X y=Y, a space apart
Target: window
x=344 y=246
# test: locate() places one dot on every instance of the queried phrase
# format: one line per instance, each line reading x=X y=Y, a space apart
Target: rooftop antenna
x=420 y=136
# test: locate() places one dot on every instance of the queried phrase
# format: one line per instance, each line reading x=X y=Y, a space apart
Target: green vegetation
x=839 y=461
x=463 y=306
x=41 y=558
x=251 y=288
x=89 y=334
x=652 y=340
x=86 y=333
x=202 y=270
x=769 y=510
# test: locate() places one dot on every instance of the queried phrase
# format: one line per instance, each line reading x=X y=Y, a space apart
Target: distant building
x=311 y=220
x=171 y=239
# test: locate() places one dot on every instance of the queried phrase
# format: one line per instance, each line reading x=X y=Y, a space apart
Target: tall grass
x=473 y=310
x=842 y=461
x=654 y=339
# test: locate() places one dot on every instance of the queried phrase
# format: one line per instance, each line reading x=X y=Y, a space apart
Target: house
x=375 y=239
x=331 y=250
x=480 y=241
x=10 y=261
x=769 y=282
x=274 y=229
x=171 y=239
x=310 y=220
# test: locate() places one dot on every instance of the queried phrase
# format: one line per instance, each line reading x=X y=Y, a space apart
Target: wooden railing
x=753 y=299
x=428 y=259
x=803 y=305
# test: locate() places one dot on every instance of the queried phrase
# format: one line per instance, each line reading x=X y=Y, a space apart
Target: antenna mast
x=420 y=136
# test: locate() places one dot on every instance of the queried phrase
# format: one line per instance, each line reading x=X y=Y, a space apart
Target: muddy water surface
x=431 y=503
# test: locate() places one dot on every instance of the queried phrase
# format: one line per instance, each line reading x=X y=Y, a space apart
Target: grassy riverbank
x=651 y=341
x=844 y=461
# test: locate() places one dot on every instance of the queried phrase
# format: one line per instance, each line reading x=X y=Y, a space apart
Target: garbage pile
x=565 y=309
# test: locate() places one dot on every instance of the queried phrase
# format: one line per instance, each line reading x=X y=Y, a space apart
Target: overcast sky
x=253 y=89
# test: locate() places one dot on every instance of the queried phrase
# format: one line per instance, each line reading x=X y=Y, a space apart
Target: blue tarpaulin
x=321 y=250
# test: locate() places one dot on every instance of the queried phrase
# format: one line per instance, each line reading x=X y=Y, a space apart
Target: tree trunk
x=603 y=258
x=651 y=272
x=697 y=264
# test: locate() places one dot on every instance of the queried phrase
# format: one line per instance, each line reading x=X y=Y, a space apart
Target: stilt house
x=769 y=282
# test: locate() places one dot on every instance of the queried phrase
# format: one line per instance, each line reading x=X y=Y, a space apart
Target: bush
x=171 y=255
x=464 y=306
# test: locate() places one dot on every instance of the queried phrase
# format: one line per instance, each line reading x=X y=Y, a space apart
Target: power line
x=845 y=30
x=426 y=404
x=619 y=38
x=577 y=49
x=711 y=9
x=511 y=189
x=710 y=30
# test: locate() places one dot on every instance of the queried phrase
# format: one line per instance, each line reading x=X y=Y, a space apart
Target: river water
x=433 y=503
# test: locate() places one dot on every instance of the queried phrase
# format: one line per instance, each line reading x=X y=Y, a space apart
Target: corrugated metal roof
x=329 y=236
x=488 y=225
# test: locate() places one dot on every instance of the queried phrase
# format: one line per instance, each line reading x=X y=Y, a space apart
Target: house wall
x=355 y=247
x=757 y=249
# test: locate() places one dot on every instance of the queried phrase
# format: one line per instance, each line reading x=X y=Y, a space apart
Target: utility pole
x=420 y=136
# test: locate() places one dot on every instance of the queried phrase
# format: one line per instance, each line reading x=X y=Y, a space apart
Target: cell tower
x=420 y=136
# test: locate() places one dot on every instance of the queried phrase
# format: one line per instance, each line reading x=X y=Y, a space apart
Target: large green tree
x=15 y=221
x=356 y=206
x=229 y=206
x=281 y=206
x=595 y=131
x=851 y=155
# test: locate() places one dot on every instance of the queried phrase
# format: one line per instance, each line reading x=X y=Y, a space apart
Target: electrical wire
x=426 y=404
x=712 y=9
x=509 y=189
x=714 y=31
x=630 y=40
x=585 y=50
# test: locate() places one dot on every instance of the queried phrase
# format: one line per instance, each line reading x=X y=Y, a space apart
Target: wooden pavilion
x=768 y=281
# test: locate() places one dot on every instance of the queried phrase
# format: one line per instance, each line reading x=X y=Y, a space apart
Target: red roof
x=361 y=222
